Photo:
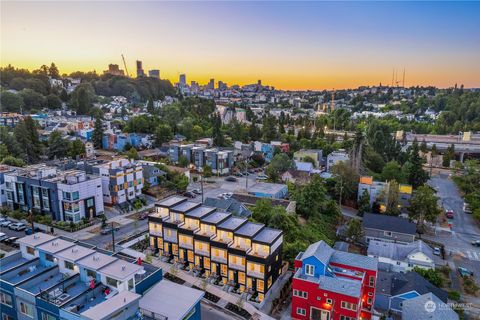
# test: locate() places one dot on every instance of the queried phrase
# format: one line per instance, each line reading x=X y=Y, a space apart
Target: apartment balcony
x=170 y=238
x=204 y=233
x=155 y=232
x=240 y=246
x=202 y=252
x=225 y=240
x=255 y=274
x=259 y=254
x=236 y=266
x=190 y=227
x=218 y=259
x=186 y=245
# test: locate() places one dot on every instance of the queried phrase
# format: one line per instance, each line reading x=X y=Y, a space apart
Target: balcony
x=170 y=237
x=255 y=273
x=202 y=252
x=241 y=246
x=186 y=245
x=218 y=258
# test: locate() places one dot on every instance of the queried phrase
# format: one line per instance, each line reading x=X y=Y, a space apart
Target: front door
x=319 y=314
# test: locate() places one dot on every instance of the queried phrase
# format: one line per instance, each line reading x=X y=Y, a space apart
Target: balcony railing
x=218 y=259
x=186 y=245
x=236 y=266
x=202 y=252
x=256 y=274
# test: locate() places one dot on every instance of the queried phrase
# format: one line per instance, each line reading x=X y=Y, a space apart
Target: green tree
x=218 y=138
x=346 y=181
x=392 y=171
x=183 y=161
x=77 y=148
x=197 y=132
x=57 y=146
x=132 y=154
x=207 y=171
x=53 y=71
x=150 y=107
x=424 y=207
x=364 y=203
x=53 y=101
x=449 y=155
x=32 y=99
x=11 y=102
x=416 y=175
x=12 y=161
x=390 y=197
x=279 y=164
x=354 y=229
x=97 y=135
x=26 y=135
x=163 y=133
x=312 y=199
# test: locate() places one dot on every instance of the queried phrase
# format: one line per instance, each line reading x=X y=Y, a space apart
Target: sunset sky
x=310 y=45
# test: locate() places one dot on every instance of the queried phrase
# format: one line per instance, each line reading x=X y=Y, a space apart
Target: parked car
x=3 y=236
x=29 y=231
x=262 y=177
x=225 y=195
x=464 y=272
x=449 y=214
x=436 y=251
x=197 y=191
x=466 y=208
x=5 y=223
x=238 y=174
x=231 y=179
x=476 y=243
x=189 y=194
x=10 y=240
x=19 y=226
x=108 y=230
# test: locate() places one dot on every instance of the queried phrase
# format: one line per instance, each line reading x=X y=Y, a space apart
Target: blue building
x=268 y=190
x=54 y=278
x=118 y=142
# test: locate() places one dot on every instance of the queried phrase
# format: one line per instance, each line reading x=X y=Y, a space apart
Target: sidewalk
x=224 y=296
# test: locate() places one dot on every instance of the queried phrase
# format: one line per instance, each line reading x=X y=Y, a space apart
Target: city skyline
x=318 y=45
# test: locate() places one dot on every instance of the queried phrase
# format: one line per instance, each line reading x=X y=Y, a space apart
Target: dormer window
x=309 y=270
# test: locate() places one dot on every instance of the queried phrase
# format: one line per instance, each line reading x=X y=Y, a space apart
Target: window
x=329 y=301
x=301 y=311
x=369 y=300
x=8 y=185
x=75 y=195
x=26 y=309
x=91 y=273
x=398 y=263
x=130 y=284
x=90 y=202
x=346 y=318
x=349 y=306
x=309 y=270
x=301 y=294
x=31 y=251
x=387 y=233
x=67 y=195
x=112 y=282
x=371 y=282
x=49 y=257
x=260 y=284
x=6 y=299
x=6 y=317
x=47 y=316
x=69 y=265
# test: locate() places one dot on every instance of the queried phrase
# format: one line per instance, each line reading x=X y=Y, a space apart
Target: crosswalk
x=472 y=255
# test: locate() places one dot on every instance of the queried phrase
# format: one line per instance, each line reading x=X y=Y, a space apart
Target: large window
x=301 y=311
x=371 y=281
x=69 y=265
x=48 y=257
x=349 y=306
x=91 y=273
x=75 y=195
x=31 y=251
x=301 y=294
x=47 y=316
x=26 y=309
x=6 y=299
x=309 y=270
x=6 y=317
x=112 y=282
x=130 y=284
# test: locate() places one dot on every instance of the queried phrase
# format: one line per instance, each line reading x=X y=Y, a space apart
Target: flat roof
x=267 y=235
x=170 y=201
x=36 y=239
x=96 y=261
x=185 y=206
x=75 y=253
x=105 y=309
x=249 y=229
x=265 y=187
x=200 y=212
x=120 y=269
x=55 y=246
x=232 y=223
x=216 y=217
x=171 y=300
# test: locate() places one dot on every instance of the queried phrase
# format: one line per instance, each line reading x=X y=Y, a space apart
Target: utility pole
x=246 y=174
x=113 y=238
x=201 y=185
x=31 y=220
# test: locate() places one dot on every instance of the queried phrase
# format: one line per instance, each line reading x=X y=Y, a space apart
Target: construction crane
x=125 y=65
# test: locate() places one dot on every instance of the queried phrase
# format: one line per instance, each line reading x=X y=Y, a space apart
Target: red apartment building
x=333 y=285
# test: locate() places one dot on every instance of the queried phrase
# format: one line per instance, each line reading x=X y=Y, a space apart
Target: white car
x=3 y=236
x=5 y=223
x=19 y=226
x=436 y=251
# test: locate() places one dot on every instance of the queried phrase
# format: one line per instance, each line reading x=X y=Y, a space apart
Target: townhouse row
x=220 y=161
x=52 y=278
x=72 y=193
x=229 y=249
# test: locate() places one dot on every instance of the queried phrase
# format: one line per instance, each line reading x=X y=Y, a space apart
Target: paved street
x=464 y=229
x=211 y=312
